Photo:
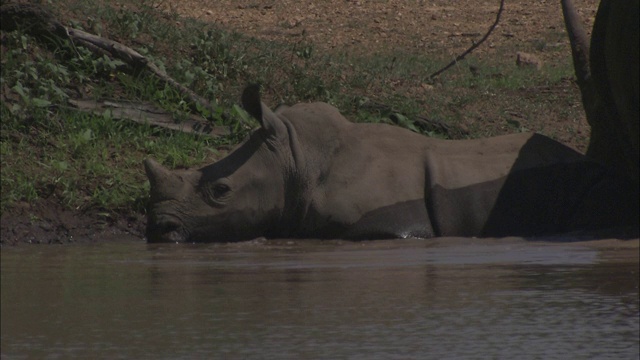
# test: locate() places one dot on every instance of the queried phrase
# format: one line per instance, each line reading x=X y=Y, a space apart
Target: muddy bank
x=47 y=222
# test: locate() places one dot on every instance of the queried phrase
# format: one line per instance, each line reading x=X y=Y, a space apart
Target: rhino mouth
x=165 y=228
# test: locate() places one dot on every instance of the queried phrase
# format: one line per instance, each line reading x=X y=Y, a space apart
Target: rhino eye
x=220 y=190
x=216 y=193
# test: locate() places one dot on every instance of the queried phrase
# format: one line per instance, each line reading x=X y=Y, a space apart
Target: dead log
x=147 y=113
x=39 y=21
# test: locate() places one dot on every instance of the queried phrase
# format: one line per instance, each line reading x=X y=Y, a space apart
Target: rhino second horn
x=163 y=182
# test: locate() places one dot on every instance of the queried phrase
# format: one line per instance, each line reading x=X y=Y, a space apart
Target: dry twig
x=473 y=47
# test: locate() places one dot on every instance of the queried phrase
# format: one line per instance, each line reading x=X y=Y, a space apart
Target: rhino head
x=239 y=197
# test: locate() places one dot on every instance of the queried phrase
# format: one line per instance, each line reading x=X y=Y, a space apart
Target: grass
x=50 y=151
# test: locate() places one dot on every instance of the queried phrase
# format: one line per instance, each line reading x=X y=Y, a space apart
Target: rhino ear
x=267 y=119
x=251 y=101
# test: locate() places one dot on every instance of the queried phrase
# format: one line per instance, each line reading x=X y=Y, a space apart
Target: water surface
x=403 y=299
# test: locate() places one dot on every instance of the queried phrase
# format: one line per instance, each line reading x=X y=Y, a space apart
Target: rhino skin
x=607 y=74
x=307 y=172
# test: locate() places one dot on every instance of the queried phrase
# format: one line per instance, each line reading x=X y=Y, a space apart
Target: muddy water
x=445 y=298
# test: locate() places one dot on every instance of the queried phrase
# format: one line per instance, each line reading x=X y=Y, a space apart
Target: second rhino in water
x=308 y=172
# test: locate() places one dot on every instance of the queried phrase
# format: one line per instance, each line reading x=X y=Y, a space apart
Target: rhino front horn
x=163 y=183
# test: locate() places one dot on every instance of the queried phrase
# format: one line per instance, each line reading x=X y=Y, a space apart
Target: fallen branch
x=147 y=113
x=37 y=20
x=473 y=47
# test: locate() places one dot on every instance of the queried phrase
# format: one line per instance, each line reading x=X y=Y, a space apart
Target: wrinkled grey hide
x=307 y=172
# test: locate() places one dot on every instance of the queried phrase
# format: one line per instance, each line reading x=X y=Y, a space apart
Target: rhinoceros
x=308 y=172
x=607 y=74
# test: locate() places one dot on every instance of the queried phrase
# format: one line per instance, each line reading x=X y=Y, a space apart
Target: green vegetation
x=51 y=150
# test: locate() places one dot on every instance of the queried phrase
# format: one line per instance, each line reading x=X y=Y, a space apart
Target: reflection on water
x=410 y=299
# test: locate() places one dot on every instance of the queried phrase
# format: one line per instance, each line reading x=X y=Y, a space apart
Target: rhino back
x=365 y=180
x=522 y=184
x=380 y=181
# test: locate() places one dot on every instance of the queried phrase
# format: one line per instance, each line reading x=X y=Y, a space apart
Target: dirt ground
x=418 y=26
x=49 y=223
x=444 y=29
x=439 y=27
